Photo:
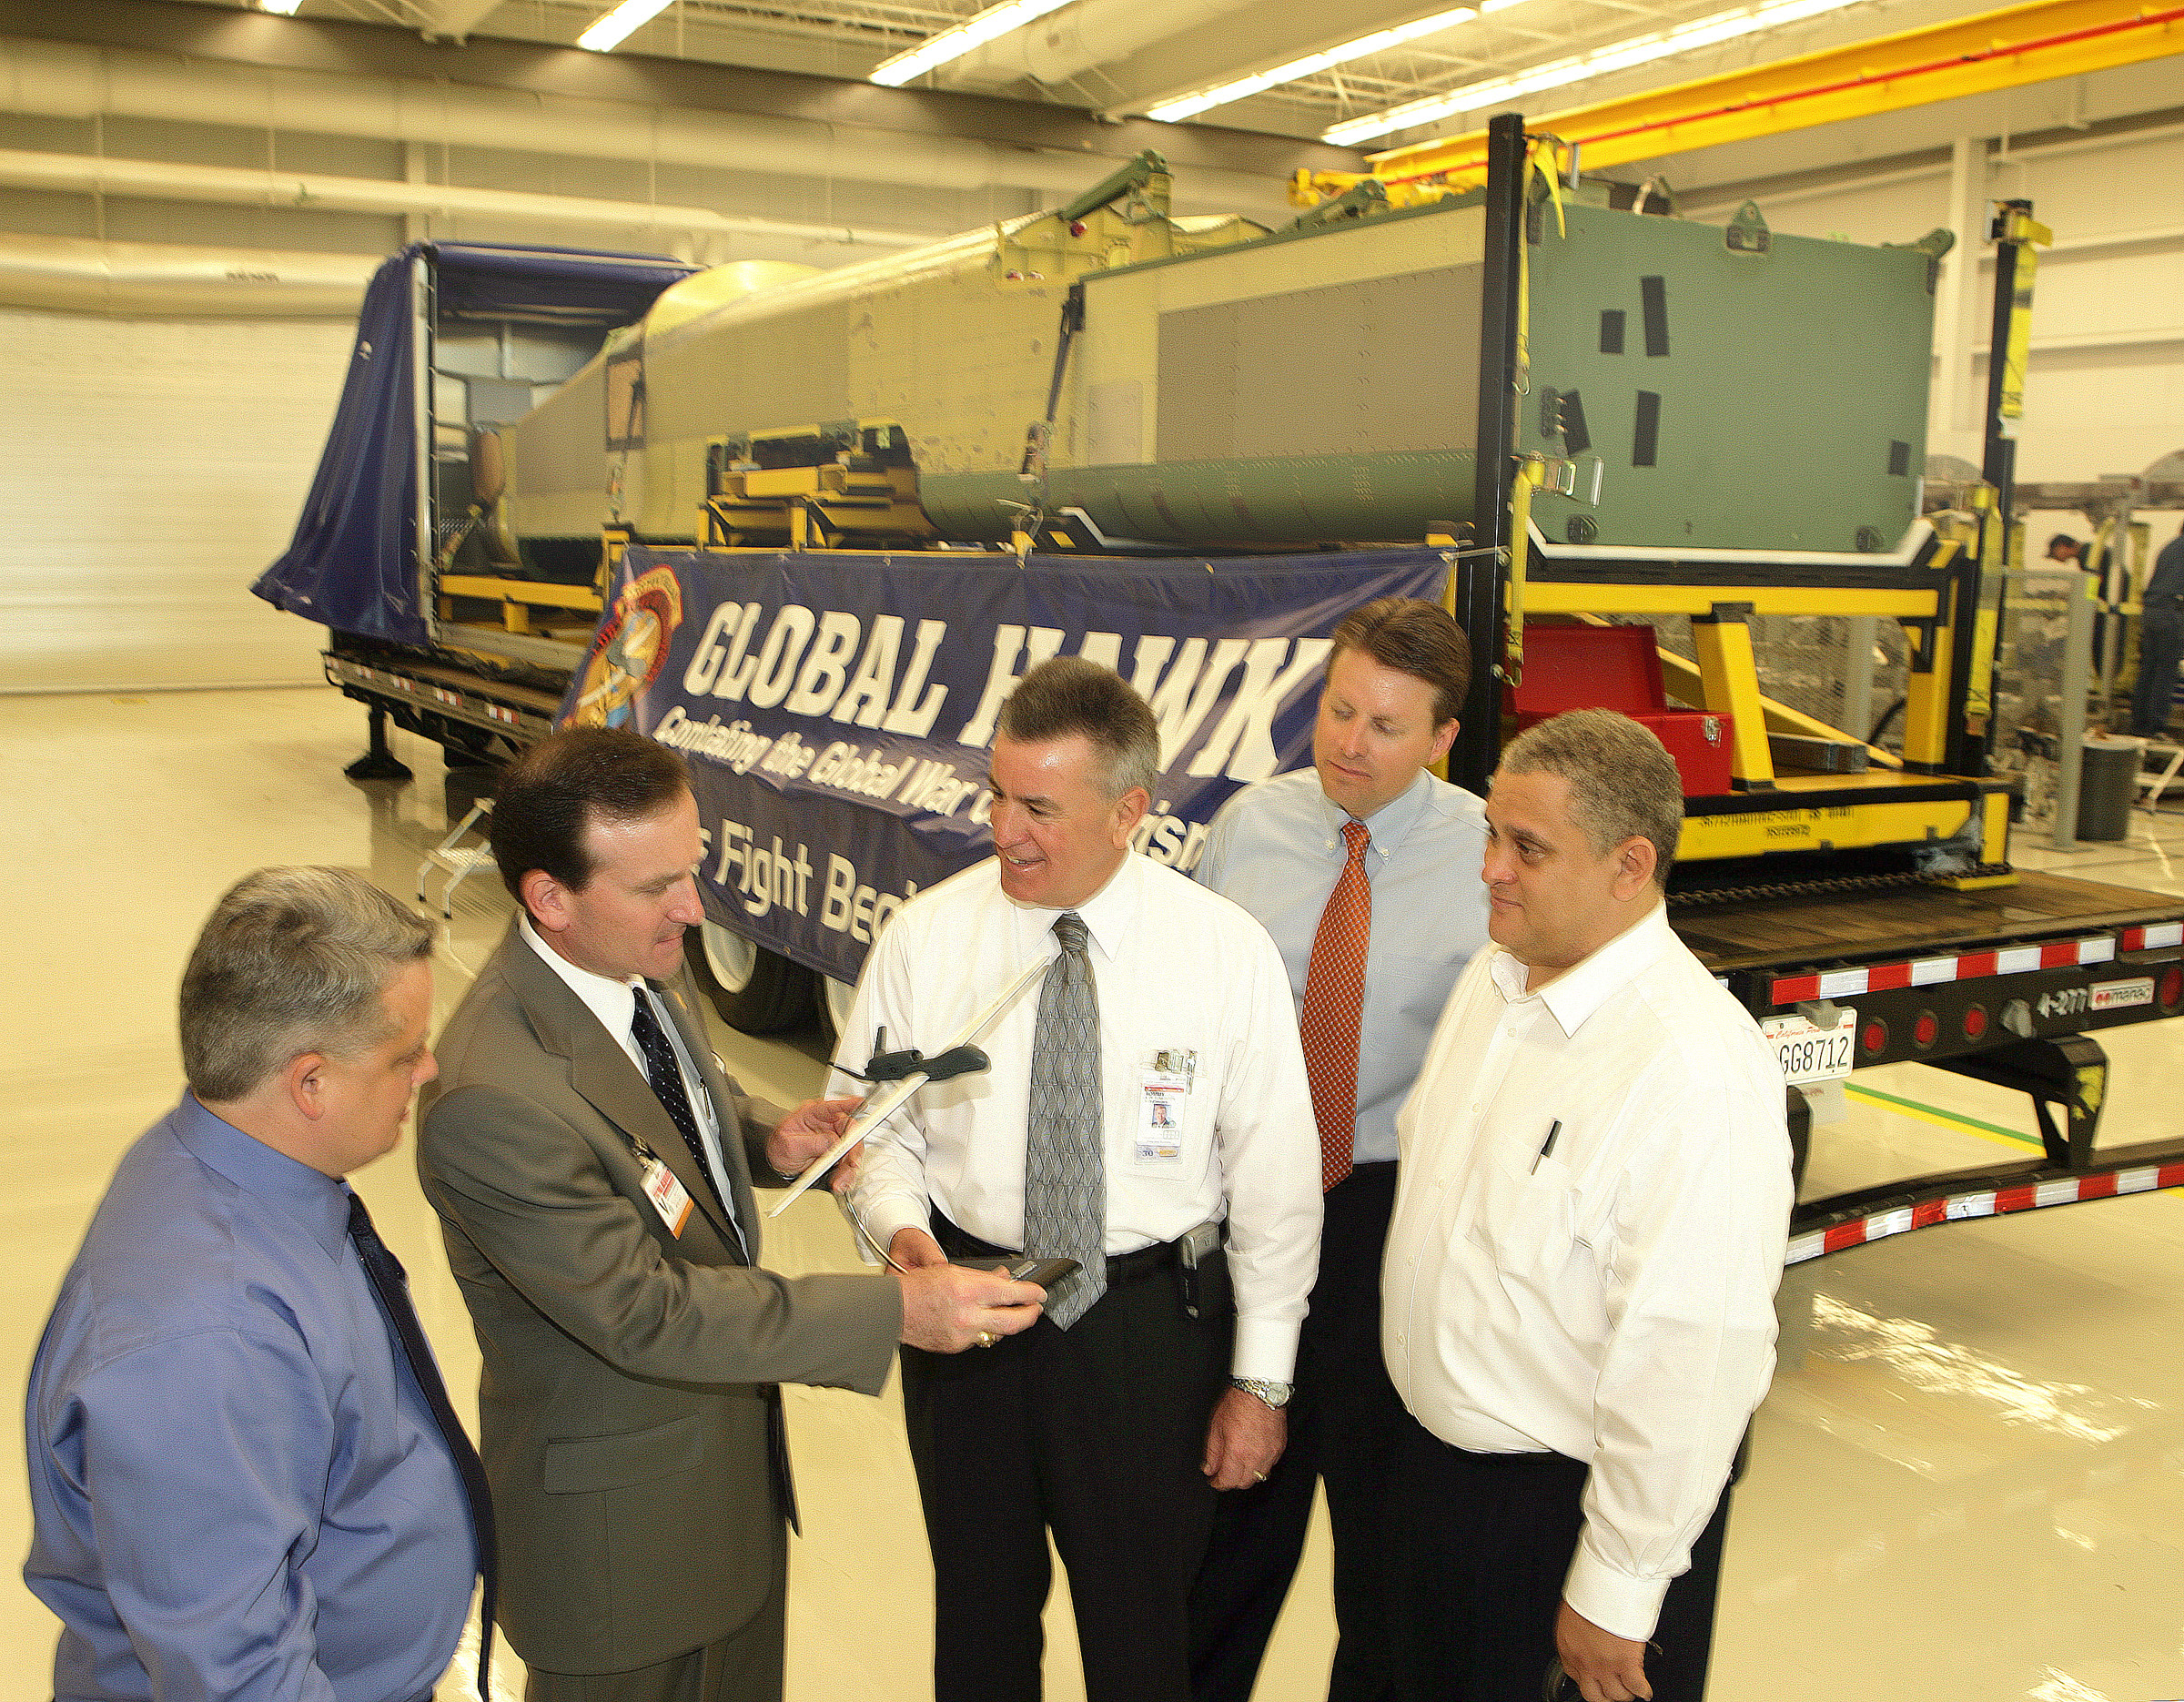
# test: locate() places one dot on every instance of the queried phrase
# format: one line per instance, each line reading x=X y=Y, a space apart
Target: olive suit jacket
x=627 y=1393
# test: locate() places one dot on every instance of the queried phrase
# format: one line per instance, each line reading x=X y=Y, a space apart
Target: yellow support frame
x=1729 y=678
x=1593 y=597
x=1975 y=56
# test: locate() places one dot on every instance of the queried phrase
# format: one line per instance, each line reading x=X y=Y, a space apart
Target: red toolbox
x=1619 y=667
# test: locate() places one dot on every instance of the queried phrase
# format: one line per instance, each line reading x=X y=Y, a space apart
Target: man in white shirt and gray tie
x=1365 y=869
x=1150 y=1086
x=1578 y=1280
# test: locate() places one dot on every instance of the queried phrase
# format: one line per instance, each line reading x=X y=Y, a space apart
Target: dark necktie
x=1334 y=1005
x=666 y=1076
x=393 y=1286
x=1065 y=1171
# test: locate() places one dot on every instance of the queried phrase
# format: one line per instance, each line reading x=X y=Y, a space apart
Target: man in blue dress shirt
x=1284 y=849
x=238 y=1487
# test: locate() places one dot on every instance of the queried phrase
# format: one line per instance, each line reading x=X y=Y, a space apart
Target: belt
x=1139 y=1261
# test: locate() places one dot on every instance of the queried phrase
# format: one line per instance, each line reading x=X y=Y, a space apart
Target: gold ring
x=987 y=1338
x=1261 y=1477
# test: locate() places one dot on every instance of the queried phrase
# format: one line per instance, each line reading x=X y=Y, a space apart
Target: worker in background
x=2090 y=558
x=1365 y=869
x=245 y=1477
x=1589 y=1228
x=2160 y=643
x=592 y=1166
x=2062 y=547
x=1148 y=1089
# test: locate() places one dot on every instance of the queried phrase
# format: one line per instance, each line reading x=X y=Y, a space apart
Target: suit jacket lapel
x=605 y=1075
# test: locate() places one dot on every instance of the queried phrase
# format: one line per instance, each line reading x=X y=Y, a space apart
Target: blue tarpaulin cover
x=352 y=564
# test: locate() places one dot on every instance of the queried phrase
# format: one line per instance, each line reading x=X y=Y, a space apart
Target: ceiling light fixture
x=280 y=8
x=611 y=31
x=958 y=39
x=1311 y=65
x=1621 y=55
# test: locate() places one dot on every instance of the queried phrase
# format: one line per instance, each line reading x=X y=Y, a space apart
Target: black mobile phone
x=1021 y=1268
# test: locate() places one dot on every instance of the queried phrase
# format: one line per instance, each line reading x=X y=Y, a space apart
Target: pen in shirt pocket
x=1547 y=1146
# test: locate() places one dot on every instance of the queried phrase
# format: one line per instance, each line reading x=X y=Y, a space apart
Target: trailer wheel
x=756 y=991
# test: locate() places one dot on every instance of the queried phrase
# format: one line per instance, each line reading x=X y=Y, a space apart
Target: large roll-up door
x=148 y=471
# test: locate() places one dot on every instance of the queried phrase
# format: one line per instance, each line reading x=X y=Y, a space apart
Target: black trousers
x=1345 y=1420
x=1482 y=1544
x=1097 y=1432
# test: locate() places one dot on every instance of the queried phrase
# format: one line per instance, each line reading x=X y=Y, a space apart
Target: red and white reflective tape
x=2161 y=934
x=1971 y=965
x=1985 y=1202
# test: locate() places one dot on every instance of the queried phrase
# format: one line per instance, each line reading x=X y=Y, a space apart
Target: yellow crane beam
x=1975 y=56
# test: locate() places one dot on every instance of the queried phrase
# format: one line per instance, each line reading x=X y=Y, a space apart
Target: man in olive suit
x=592 y=1167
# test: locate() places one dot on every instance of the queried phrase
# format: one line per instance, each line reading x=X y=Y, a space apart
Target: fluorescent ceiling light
x=611 y=30
x=954 y=42
x=281 y=8
x=1621 y=55
x=1380 y=41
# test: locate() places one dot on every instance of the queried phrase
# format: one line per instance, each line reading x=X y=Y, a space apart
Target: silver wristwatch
x=1275 y=1394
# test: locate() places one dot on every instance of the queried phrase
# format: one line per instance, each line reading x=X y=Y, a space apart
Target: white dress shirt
x=1276 y=848
x=1177 y=970
x=1611 y=1300
x=615 y=1003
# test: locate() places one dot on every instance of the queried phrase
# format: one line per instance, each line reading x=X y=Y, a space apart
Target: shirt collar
x=316 y=1201
x=1574 y=996
x=1391 y=824
x=1107 y=914
x=613 y=1002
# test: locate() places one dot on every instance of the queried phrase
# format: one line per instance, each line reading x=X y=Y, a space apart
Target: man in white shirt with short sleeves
x=1150 y=1083
x=1578 y=1294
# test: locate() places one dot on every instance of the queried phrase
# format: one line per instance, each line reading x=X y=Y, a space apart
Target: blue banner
x=836 y=711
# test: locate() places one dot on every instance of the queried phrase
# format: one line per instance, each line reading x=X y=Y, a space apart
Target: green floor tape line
x=1945 y=1119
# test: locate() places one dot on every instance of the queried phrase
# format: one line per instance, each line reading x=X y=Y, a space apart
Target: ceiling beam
x=377 y=51
x=453 y=20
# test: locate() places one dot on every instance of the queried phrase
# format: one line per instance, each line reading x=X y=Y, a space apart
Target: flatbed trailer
x=1865 y=916
x=2007 y=985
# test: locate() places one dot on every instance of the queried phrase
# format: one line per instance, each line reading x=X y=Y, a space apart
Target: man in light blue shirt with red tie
x=1365 y=869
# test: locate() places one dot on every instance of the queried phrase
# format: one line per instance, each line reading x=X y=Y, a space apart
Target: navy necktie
x=666 y=1076
x=391 y=1284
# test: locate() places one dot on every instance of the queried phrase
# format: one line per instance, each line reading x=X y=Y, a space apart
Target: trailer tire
x=755 y=990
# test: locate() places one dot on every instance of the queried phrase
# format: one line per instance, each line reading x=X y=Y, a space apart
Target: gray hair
x=1071 y=695
x=291 y=960
x=1624 y=784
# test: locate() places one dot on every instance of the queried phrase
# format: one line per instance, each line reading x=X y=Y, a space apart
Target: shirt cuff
x=884 y=1222
x=1266 y=1348
x=1614 y=1601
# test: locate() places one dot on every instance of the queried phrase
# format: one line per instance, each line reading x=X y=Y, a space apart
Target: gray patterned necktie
x=1065 y=1174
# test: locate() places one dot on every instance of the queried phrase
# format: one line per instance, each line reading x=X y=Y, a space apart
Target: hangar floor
x=1969 y=1481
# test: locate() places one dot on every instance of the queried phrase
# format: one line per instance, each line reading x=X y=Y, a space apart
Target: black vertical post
x=1968 y=752
x=1479 y=588
x=1998 y=465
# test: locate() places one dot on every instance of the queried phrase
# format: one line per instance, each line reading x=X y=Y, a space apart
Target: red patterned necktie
x=1334 y=1001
